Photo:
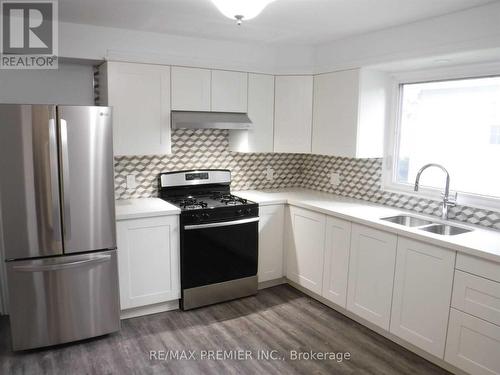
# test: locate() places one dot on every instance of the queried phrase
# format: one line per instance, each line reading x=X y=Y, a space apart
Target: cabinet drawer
x=477 y=296
x=478 y=266
x=473 y=345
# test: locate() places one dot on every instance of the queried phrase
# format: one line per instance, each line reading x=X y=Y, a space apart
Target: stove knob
x=239 y=212
x=205 y=216
x=195 y=217
x=249 y=210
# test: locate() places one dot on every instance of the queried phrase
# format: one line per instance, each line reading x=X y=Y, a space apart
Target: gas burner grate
x=229 y=199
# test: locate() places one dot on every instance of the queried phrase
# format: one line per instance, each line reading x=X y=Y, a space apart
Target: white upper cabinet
x=305 y=248
x=422 y=292
x=337 y=244
x=349 y=113
x=140 y=97
x=371 y=274
x=191 y=89
x=229 y=91
x=261 y=112
x=293 y=114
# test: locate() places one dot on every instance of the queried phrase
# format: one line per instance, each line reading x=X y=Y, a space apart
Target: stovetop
x=210 y=201
x=204 y=196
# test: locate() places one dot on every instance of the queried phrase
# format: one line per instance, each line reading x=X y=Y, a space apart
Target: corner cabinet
x=422 y=293
x=293 y=114
x=371 y=274
x=148 y=260
x=140 y=97
x=336 y=260
x=261 y=112
x=349 y=113
x=305 y=248
x=271 y=226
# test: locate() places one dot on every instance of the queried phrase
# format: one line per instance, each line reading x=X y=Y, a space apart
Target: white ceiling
x=284 y=21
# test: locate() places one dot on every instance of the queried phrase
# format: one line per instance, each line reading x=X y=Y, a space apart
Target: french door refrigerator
x=58 y=223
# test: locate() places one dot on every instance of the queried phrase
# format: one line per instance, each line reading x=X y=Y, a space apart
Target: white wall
x=70 y=84
x=96 y=42
x=471 y=30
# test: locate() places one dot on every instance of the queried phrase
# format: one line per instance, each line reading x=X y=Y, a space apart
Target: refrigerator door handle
x=54 y=179
x=61 y=266
x=65 y=179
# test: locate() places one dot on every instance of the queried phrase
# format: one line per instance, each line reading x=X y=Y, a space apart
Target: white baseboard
x=150 y=309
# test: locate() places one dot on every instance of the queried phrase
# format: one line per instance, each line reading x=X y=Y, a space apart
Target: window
x=455 y=123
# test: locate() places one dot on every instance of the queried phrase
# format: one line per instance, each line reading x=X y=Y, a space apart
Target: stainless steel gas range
x=219 y=236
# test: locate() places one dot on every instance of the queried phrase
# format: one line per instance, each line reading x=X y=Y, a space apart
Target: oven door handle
x=221 y=224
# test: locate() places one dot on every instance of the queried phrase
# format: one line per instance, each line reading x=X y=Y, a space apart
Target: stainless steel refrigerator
x=58 y=221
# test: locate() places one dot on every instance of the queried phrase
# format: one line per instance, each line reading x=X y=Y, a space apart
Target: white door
x=271 y=227
x=140 y=97
x=148 y=260
x=473 y=344
x=229 y=91
x=261 y=111
x=305 y=248
x=371 y=274
x=191 y=89
x=336 y=264
x=422 y=293
x=293 y=114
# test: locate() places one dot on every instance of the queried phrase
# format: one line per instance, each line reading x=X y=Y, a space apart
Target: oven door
x=218 y=252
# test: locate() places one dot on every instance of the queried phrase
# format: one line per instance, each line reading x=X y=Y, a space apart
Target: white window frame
x=393 y=128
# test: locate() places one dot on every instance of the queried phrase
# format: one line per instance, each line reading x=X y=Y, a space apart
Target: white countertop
x=143 y=207
x=481 y=242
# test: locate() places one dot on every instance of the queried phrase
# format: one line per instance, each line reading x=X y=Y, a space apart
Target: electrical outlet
x=131 y=181
x=335 y=179
x=269 y=174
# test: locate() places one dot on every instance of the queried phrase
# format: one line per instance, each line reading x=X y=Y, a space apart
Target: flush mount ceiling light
x=241 y=9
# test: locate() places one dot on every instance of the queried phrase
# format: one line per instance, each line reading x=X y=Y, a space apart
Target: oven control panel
x=219 y=214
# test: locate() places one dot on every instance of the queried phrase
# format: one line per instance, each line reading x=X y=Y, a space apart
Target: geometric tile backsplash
x=208 y=148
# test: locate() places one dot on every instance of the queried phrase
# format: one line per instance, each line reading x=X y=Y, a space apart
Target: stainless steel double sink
x=426 y=225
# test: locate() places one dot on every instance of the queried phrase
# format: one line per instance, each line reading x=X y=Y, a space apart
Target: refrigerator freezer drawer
x=63 y=299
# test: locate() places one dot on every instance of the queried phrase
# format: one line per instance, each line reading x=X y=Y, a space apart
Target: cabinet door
x=190 y=89
x=305 y=248
x=371 y=274
x=473 y=344
x=229 y=91
x=261 y=112
x=148 y=260
x=271 y=226
x=336 y=97
x=336 y=265
x=422 y=293
x=140 y=97
x=293 y=114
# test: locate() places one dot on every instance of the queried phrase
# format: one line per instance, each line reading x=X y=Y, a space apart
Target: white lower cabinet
x=271 y=226
x=473 y=344
x=422 y=292
x=305 y=248
x=148 y=260
x=336 y=260
x=371 y=274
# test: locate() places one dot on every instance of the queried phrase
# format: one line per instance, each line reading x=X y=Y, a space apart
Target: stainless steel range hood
x=210 y=120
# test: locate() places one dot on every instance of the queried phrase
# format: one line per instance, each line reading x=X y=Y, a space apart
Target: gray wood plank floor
x=280 y=318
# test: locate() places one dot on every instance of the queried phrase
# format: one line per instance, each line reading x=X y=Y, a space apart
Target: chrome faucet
x=447 y=200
